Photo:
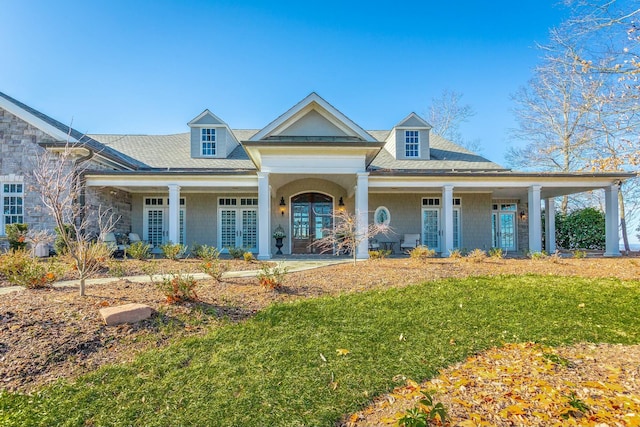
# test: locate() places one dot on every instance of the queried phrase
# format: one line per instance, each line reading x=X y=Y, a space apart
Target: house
x=228 y=187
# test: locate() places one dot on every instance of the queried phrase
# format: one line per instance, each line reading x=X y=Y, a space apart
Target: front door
x=503 y=226
x=311 y=217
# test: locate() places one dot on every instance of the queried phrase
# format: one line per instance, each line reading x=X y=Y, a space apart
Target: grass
x=281 y=367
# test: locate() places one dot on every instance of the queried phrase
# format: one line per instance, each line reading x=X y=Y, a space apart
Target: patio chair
x=409 y=242
x=134 y=237
x=112 y=243
x=374 y=245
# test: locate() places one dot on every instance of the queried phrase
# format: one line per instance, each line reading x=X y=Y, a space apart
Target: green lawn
x=281 y=367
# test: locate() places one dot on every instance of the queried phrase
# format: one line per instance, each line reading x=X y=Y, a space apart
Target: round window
x=382 y=216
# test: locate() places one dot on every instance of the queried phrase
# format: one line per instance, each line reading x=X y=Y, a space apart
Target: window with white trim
x=411 y=143
x=208 y=141
x=382 y=216
x=12 y=204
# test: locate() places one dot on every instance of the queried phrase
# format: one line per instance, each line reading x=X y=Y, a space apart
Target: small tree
x=345 y=235
x=58 y=179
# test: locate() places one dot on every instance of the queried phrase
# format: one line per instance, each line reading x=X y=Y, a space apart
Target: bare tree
x=553 y=114
x=601 y=42
x=58 y=178
x=447 y=114
x=344 y=236
x=601 y=36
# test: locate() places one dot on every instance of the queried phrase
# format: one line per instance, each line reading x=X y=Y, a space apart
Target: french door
x=238 y=224
x=156 y=221
x=503 y=226
x=311 y=216
x=431 y=229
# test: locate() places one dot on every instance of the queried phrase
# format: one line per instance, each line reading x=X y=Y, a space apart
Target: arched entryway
x=311 y=213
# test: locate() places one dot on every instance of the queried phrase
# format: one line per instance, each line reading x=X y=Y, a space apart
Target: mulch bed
x=53 y=333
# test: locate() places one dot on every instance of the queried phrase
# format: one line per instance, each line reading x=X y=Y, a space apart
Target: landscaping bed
x=53 y=333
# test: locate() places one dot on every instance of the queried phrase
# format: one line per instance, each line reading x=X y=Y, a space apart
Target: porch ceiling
x=346 y=181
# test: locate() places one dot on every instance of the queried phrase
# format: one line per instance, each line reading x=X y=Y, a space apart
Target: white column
x=174 y=213
x=264 y=216
x=535 y=223
x=550 y=225
x=447 y=219
x=612 y=221
x=362 y=214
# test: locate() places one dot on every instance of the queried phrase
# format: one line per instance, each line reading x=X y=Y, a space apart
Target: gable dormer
x=211 y=137
x=312 y=135
x=313 y=118
x=409 y=139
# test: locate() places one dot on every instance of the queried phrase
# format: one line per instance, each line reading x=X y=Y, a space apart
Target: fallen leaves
x=528 y=385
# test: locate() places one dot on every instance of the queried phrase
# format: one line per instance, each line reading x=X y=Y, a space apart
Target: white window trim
x=406 y=143
x=213 y=143
x=10 y=179
x=165 y=207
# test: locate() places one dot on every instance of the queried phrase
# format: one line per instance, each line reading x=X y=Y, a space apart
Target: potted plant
x=279 y=234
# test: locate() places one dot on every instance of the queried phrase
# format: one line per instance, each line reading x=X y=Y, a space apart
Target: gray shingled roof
x=173 y=152
x=445 y=156
x=89 y=142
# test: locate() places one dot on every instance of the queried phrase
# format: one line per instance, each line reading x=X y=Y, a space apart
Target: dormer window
x=208 y=141
x=411 y=143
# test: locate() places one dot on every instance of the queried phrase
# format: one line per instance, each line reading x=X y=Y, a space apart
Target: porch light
x=523 y=215
x=282 y=206
x=341 y=203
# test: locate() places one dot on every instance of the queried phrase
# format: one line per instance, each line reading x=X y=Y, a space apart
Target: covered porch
x=490 y=209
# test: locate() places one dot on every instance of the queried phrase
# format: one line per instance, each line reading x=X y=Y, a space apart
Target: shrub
x=16 y=235
x=173 y=251
x=581 y=229
x=271 y=277
x=538 y=255
x=139 y=250
x=579 y=254
x=424 y=413
x=214 y=268
x=555 y=257
x=178 y=288
x=248 y=256
x=455 y=253
x=496 y=253
x=235 y=252
x=476 y=255
x=59 y=245
x=379 y=254
x=22 y=270
x=116 y=268
x=205 y=252
x=422 y=253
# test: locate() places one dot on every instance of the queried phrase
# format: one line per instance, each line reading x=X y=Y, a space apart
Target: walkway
x=291 y=265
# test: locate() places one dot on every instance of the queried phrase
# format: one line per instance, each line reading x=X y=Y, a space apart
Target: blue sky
x=148 y=67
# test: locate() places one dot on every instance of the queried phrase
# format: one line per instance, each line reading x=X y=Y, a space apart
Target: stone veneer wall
x=18 y=149
x=99 y=199
x=523 y=229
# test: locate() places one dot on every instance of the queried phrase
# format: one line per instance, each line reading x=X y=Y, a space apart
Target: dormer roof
x=413 y=121
x=206 y=118
x=313 y=118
